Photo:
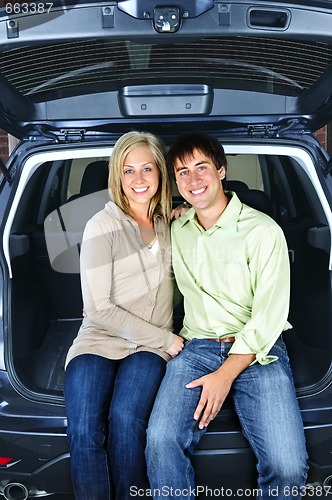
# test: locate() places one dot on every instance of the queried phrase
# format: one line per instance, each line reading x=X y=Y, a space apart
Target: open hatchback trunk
x=73 y=78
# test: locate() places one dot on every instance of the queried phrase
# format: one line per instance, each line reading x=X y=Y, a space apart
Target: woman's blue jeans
x=265 y=401
x=108 y=404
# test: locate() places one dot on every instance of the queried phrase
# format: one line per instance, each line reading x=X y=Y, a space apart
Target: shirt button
x=160 y=234
x=151 y=303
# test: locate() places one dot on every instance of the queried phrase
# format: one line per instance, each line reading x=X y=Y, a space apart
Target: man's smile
x=197 y=192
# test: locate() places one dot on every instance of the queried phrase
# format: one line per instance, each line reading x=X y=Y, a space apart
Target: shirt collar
x=227 y=220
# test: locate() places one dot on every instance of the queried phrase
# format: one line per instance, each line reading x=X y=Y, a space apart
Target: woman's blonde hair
x=124 y=145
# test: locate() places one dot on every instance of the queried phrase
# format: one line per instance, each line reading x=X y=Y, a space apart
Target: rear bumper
x=39 y=461
x=39 y=449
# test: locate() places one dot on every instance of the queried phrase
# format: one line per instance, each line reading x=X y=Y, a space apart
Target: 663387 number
x=28 y=8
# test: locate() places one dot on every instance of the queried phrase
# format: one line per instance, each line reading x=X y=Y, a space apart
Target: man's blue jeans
x=265 y=401
x=108 y=406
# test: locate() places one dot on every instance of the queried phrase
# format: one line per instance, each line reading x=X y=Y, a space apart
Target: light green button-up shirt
x=234 y=277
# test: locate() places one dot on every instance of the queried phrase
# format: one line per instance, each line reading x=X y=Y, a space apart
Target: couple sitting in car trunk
x=139 y=397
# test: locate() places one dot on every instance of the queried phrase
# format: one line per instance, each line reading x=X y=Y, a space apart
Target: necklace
x=150 y=245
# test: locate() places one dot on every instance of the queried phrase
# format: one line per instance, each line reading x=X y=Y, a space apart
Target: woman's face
x=140 y=179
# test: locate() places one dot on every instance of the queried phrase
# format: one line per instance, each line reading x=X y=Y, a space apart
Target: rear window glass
x=270 y=65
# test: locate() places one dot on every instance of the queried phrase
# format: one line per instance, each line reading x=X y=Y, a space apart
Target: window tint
x=270 y=65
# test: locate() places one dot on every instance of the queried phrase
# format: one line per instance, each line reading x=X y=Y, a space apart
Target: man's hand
x=176 y=346
x=214 y=392
x=216 y=386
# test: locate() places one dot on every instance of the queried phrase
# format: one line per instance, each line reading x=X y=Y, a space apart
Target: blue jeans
x=108 y=404
x=265 y=401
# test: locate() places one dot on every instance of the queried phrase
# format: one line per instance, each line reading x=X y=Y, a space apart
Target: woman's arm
x=96 y=280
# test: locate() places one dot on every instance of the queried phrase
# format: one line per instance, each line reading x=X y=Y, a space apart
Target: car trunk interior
x=45 y=294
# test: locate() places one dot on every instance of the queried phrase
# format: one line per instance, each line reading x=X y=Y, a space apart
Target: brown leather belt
x=223 y=339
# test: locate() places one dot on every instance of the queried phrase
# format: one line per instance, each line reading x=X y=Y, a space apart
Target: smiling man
x=231 y=265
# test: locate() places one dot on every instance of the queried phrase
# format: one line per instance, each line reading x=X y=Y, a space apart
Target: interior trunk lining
x=45 y=365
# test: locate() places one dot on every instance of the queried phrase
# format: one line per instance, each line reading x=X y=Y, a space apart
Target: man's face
x=199 y=181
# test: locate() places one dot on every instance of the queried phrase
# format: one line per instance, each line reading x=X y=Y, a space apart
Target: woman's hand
x=179 y=210
x=176 y=346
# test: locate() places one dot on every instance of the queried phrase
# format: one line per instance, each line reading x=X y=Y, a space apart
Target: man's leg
x=173 y=433
x=265 y=400
x=88 y=392
x=136 y=386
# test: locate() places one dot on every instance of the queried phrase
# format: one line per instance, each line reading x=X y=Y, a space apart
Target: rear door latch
x=166 y=19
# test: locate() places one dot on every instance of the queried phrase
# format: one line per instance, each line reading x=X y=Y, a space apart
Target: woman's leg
x=136 y=386
x=88 y=389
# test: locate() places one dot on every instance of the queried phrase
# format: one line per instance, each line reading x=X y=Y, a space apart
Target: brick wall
x=3 y=146
x=321 y=135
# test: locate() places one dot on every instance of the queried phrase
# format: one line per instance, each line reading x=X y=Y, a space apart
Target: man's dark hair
x=184 y=146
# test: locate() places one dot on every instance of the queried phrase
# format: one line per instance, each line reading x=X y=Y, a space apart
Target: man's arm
x=270 y=282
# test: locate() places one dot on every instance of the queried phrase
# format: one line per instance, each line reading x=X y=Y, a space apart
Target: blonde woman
x=117 y=361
